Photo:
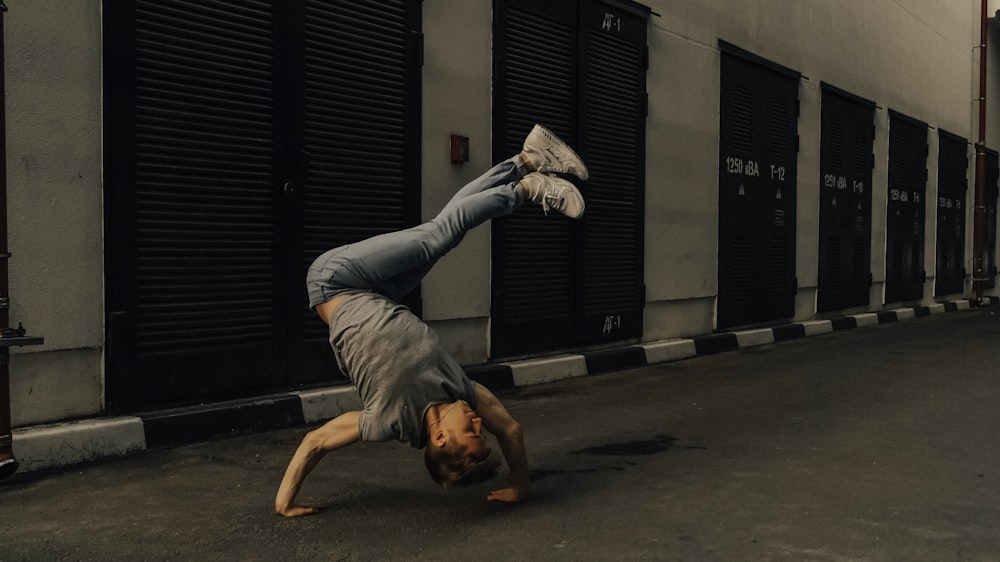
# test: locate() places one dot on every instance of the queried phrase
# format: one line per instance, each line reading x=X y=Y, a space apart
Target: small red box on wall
x=459 y=149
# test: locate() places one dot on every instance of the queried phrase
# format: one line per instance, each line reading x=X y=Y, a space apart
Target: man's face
x=463 y=425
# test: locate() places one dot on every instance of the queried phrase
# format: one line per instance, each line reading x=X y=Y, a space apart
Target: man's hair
x=449 y=467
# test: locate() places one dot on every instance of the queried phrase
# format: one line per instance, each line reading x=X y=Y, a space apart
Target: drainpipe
x=7 y=462
x=979 y=249
x=8 y=336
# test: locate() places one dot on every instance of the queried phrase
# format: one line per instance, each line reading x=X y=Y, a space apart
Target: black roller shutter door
x=196 y=233
x=614 y=139
x=906 y=208
x=361 y=137
x=953 y=165
x=533 y=255
x=222 y=184
x=846 y=162
x=579 y=69
x=757 y=189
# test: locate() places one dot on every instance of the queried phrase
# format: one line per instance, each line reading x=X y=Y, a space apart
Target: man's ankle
x=527 y=166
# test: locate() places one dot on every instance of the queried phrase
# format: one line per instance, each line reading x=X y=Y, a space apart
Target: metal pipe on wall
x=979 y=249
x=8 y=336
x=8 y=464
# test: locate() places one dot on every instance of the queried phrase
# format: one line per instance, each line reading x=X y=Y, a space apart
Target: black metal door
x=953 y=180
x=578 y=68
x=904 y=265
x=359 y=148
x=239 y=136
x=845 y=216
x=757 y=188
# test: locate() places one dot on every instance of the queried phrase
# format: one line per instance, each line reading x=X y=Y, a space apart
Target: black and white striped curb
x=70 y=443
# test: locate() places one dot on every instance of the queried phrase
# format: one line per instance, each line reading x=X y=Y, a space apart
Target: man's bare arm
x=508 y=432
x=336 y=433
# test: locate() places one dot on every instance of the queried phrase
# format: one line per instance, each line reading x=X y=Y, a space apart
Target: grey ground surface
x=869 y=444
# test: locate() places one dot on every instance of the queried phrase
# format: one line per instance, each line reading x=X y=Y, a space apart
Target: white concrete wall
x=457 y=94
x=53 y=108
x=914 y=56
x=682 y=162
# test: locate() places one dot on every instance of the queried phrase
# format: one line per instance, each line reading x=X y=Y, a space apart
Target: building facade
x=173 y=167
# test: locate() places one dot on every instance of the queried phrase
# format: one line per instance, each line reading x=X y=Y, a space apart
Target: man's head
x=457 y=452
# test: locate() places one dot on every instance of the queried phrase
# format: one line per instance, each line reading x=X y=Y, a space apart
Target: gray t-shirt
x=398 y=366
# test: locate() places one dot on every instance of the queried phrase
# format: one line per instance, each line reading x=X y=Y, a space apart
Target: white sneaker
x=550 y=155
x=553 y=192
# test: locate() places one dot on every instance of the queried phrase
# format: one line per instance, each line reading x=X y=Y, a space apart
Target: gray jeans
x=394 y=263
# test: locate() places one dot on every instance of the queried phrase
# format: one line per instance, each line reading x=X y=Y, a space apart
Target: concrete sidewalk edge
x=63 y=444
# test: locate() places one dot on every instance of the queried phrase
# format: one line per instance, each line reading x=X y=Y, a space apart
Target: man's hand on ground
x=511 y=494
x=297 y=511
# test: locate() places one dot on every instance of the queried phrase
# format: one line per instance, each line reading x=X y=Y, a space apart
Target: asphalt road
x=871 y=444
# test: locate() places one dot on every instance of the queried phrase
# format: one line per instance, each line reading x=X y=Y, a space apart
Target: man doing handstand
x=411 y=389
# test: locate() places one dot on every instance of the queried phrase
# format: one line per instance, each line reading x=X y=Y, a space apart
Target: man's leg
x=394 y=263
x=463 y=212
x=508 y=171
